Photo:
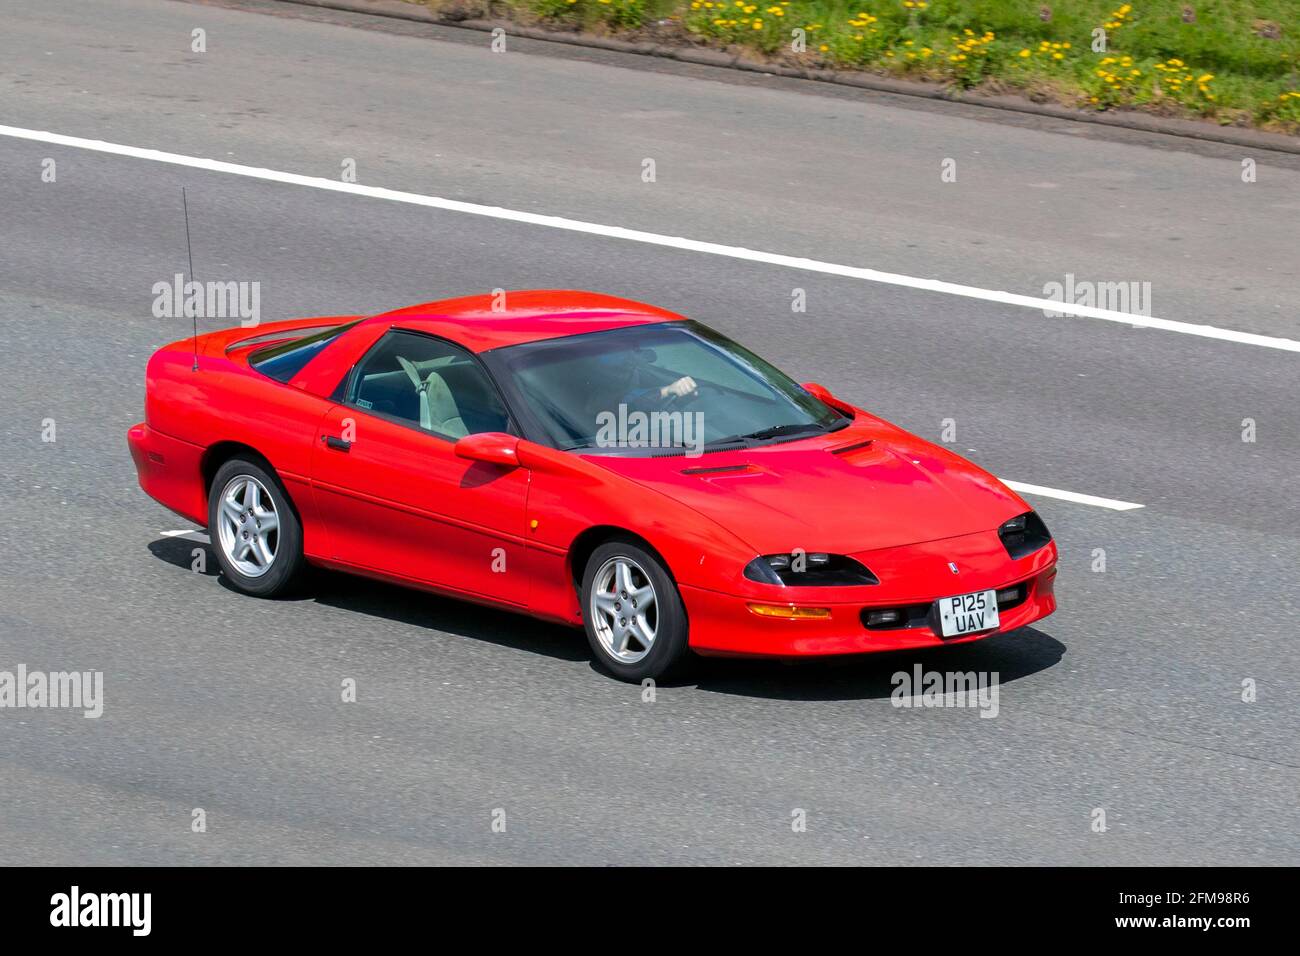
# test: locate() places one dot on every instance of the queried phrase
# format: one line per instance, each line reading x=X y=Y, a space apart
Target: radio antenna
x=189 y=252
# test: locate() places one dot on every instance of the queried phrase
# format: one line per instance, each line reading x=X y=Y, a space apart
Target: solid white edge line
x=1074 y=496
x=188 y=534
x=651 y=238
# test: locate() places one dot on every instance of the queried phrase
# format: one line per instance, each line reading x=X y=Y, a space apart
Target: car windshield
x=675 y=385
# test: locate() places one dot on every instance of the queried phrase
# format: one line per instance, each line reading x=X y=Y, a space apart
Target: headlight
x=1024 y=534
x=809 y=569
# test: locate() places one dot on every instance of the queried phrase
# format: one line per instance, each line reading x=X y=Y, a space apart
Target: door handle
x=338 y=444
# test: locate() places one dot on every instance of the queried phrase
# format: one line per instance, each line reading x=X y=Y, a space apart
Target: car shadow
x=1014 y=655
x=403 y=605
x=463 y=618
x=180 y=552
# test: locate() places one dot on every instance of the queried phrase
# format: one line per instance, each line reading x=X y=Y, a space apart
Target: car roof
x=496 y=320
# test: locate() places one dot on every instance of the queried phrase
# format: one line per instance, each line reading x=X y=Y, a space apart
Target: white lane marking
x=189 y=535
x=655 y=239
x=1074 y=496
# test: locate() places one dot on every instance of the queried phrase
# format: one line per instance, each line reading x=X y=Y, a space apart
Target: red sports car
x=589 y=460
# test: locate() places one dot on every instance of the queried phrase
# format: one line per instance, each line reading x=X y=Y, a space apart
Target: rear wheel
x=632 y=611
x=255 y=533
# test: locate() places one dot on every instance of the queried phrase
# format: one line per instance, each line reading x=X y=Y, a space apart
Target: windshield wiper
x=729 y=440
x=778 y=430
x=775 y=431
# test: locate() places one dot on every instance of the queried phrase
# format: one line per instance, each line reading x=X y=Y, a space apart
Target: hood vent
x=717 y=470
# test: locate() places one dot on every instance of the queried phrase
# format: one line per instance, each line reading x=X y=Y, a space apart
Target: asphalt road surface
x=1128 y=700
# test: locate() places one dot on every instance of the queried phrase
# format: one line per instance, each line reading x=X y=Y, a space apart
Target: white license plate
x=968 y=613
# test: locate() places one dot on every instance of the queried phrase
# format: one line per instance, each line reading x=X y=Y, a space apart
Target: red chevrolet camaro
x=588 y=460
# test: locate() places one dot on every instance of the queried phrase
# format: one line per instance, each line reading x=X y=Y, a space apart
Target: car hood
x=862 y=488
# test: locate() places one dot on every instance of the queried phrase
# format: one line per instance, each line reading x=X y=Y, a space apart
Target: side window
x=285 y=359
x=429 y=383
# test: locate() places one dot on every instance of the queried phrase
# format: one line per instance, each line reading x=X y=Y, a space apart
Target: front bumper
x=723 y=624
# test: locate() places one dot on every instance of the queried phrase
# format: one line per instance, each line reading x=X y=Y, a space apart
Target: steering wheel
x=673 y=399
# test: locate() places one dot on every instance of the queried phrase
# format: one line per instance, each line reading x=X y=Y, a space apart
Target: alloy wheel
x=248 y=526
x=624 y=610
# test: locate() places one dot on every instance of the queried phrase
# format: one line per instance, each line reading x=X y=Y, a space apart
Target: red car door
x=393 y=496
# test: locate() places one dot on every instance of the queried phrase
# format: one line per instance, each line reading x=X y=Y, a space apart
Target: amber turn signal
x=791 y=612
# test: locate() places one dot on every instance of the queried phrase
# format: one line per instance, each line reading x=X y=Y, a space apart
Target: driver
x=637 y=379
x=679 y=389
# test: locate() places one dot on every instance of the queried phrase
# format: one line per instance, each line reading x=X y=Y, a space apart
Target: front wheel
x=632 y=612
x=255 y=533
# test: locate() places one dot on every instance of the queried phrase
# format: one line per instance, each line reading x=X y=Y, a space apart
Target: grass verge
x=1233 y=62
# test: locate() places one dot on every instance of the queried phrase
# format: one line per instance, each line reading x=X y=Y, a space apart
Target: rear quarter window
x=283 y=360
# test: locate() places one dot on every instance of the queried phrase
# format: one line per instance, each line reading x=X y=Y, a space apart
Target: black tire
x=668 y=650
x=287 y=564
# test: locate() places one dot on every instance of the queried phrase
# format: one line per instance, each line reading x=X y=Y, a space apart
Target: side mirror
x=496 y=448
x=819 y=392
